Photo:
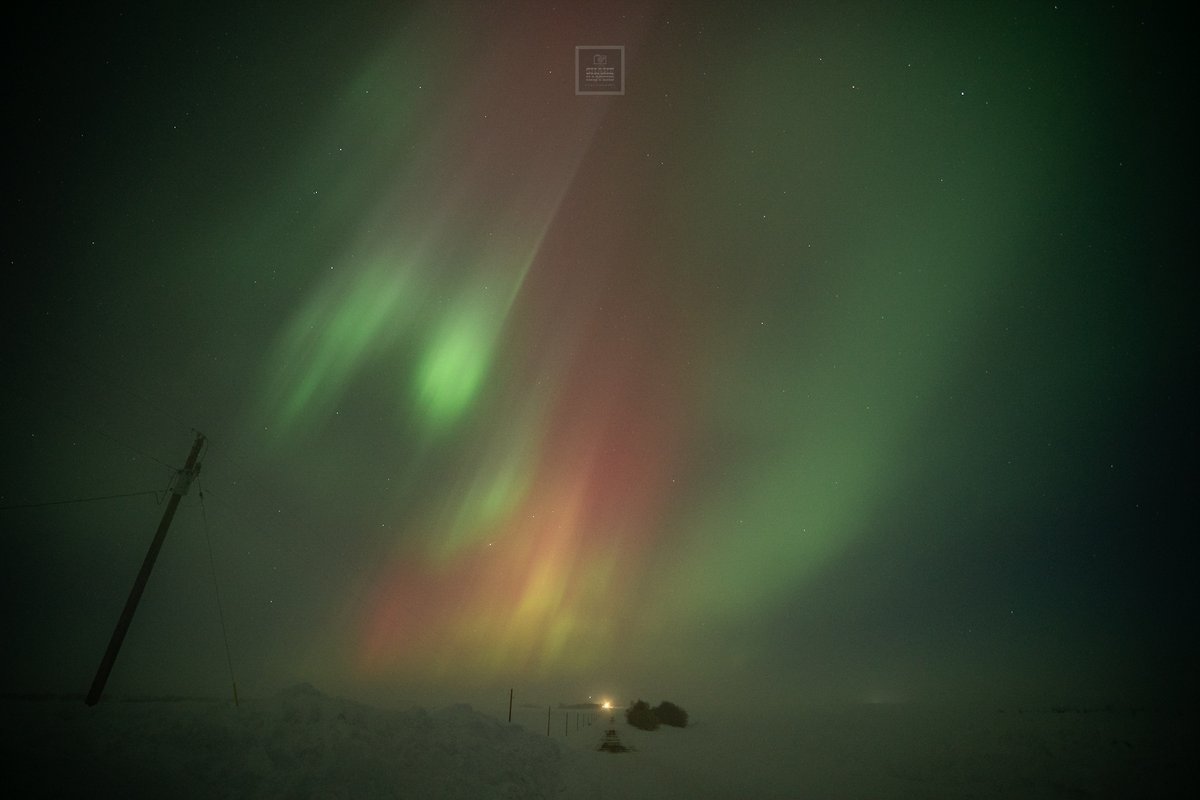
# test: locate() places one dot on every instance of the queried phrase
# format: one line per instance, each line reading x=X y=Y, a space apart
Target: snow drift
x=303 y=744
x=299 y=744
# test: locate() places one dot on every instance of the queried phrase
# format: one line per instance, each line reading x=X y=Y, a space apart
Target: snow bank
x=299 y=744
x=303 y=744
x=860 y=751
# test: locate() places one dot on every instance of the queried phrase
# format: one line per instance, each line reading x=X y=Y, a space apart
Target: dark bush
x=668 y=713
x=640 y=715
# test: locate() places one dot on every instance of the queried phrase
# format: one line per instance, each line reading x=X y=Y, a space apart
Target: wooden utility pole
x=183 y=479
x=510 y=692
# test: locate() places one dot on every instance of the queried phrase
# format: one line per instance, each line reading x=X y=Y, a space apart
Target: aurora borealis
x=835 y=358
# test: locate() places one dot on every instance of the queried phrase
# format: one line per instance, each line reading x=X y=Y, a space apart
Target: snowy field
x=303 y=744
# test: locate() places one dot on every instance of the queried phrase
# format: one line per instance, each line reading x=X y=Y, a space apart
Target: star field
x=839 y=357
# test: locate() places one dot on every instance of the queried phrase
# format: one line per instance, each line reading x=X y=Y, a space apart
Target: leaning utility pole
x=183 y=479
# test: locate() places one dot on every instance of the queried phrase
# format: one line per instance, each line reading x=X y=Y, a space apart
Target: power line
x=156 y=493
x=217 y=590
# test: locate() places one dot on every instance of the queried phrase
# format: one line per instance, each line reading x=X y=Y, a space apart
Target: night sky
x=844 y=357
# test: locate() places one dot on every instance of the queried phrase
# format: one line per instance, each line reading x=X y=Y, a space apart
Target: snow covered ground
x=300 y=744
x=303 y=744
x=890 y=751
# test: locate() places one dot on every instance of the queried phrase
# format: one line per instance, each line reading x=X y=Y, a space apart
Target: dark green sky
x=844 y=356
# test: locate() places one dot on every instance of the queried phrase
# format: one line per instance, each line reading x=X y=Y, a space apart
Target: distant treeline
x=641 y=715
